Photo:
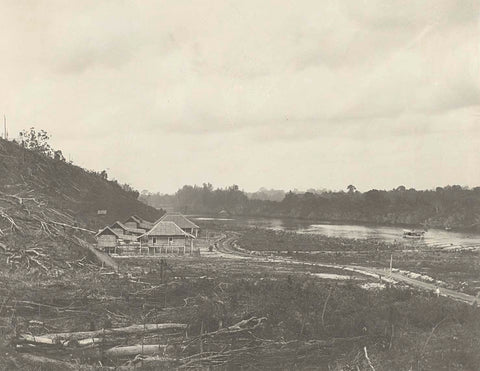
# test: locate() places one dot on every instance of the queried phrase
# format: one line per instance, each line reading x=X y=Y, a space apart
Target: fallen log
x=242 y=326
x=133 y=350
x=56 y=338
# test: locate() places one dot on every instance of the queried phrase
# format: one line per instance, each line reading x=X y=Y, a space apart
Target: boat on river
x=411 y=233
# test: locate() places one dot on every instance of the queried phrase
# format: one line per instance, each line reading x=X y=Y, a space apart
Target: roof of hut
x=179 y=220
x=142 y=223
x=166 y=229
x=129 y=229
x=125 y=237
x=105 y=230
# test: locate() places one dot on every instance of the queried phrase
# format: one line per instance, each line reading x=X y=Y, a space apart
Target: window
x=170 y=240
x=154 y=240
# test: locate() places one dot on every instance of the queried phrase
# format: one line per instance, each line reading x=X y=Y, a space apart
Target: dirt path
x=226 y=250
x=104 y=259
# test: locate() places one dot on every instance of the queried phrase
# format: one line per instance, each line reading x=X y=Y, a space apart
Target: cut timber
x=133 y=329
x=133 y=350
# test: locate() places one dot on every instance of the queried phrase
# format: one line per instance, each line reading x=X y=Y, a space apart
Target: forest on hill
x=452 y=206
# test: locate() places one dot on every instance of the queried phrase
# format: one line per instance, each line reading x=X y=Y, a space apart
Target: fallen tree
x=90 y=337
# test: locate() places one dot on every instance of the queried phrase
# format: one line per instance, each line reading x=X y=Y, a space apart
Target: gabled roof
x=179 y=220
x=107 y=229
x=142 y=223
x=125 y=237
x=129 y=229
x=166 y=229
x=134 y=218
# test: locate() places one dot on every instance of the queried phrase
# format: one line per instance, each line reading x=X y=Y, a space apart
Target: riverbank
x=433 y=239
x=460 y=270
x=356 y=222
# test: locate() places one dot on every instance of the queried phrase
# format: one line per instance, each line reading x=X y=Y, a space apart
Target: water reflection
x=434 y=237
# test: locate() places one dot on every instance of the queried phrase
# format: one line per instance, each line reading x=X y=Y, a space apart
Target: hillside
x=46 y=204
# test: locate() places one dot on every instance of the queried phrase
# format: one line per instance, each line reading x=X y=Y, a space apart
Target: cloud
x=267 y=74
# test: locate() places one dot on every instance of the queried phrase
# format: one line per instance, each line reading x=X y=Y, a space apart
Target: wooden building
x=108 y=240
x=136 y=222
x=186 y=225
x=122 y=229
x=167 y=237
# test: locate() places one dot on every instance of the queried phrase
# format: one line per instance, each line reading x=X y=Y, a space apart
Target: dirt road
x=226 y=250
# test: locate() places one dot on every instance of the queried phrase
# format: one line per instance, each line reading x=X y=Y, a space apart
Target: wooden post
x=201 y=338
x=391 y=263
x=5 y=132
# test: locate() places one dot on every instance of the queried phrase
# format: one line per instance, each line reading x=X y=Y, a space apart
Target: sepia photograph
x=240 y=185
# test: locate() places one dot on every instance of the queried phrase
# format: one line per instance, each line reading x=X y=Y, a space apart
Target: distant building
x=223 y=213
x=138 y=223
x=180 y=220
x=167 y=237
x=122 y=229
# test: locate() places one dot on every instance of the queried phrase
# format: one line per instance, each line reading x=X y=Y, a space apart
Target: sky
x=260 y=93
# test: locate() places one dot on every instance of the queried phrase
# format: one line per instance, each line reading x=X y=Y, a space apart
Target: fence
x=161 y=249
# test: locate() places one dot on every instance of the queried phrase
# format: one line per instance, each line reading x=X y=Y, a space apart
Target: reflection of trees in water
x=384 y=234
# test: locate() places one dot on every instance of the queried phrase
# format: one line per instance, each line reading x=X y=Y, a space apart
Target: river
x=437 y=238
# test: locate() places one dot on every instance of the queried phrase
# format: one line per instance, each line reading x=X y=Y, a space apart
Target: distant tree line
x=453 y=206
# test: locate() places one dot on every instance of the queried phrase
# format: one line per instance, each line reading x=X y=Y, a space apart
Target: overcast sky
x=281 y=94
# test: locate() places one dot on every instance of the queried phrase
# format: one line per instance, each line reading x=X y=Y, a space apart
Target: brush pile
x=34 y=236
x=168 y=345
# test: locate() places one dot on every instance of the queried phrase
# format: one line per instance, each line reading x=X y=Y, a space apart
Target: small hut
x=108 y=240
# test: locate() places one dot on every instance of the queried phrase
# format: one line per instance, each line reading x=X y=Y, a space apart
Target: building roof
x=134 y=218
x=145 y=225
x=166 y=229
x=179 y=220
x=129 y=229
x=129 y=237
x=142 y=223
x=124 y=237
x=107 y=229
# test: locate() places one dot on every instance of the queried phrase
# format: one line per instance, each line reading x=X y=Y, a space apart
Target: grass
x=460 y=270
x=258 y=239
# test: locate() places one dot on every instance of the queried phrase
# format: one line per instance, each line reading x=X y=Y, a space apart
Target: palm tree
x=351 y=188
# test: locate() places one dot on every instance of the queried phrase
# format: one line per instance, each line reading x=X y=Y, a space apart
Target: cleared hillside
x=46 y=205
